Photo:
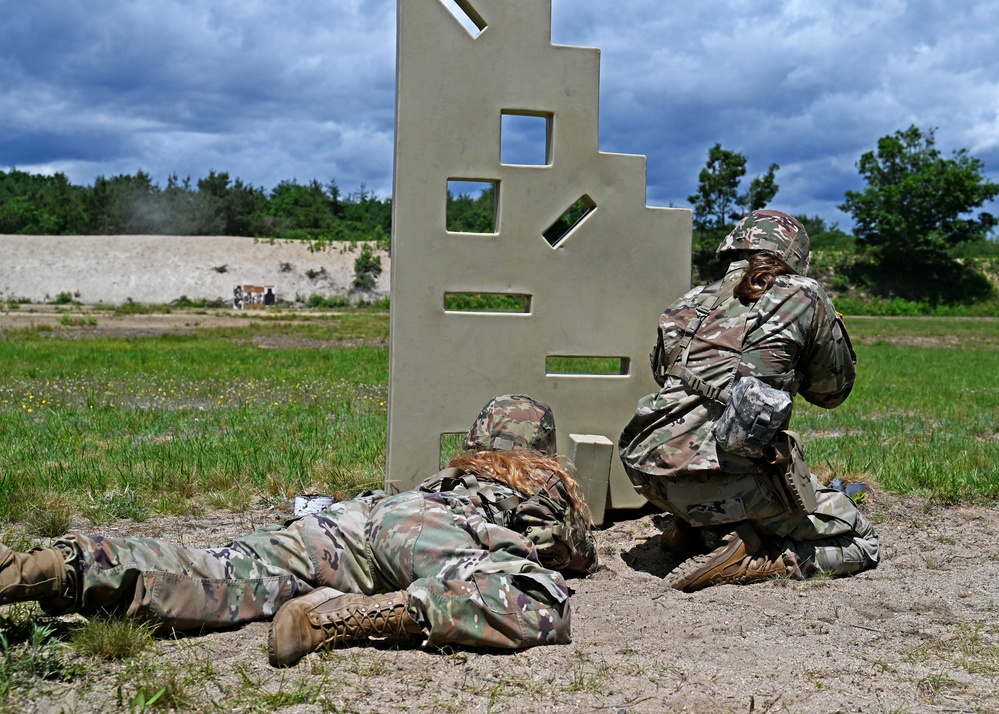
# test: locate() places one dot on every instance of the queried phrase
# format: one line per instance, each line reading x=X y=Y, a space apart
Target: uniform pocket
x=713 y=513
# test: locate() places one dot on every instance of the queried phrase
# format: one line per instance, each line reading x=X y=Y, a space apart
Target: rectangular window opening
x=588 y=366
x=494 y=303
x=526 y=138
x=466 y=14
x=472 y=206
x=451 y=444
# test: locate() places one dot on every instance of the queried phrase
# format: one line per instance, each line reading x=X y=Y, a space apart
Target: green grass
x=898 y=307
x=222 y=418
x=30 y=652
x=973 y=333
x=111 y=639
x=924 y=415
x=160 y=423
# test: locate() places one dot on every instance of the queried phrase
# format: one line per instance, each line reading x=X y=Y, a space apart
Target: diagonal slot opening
x=572 y=217
x=466 y=14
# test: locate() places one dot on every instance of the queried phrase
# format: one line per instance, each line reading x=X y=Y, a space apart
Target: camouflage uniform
x=469 y=578
x=791 y=339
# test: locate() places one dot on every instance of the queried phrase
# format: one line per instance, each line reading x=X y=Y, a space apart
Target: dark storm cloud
x=304 y=90
x=266 y=92
x=810 y=86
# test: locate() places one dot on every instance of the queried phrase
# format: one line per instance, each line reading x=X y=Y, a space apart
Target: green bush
x=64 y=298
x=367 y=268
x=215 y=303
x=899 y=307
x=327 y=301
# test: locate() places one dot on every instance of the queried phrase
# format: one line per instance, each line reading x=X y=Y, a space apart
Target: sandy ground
x=111 y=270
x=919 y=634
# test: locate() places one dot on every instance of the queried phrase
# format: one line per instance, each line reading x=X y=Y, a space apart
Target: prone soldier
x=474 y=556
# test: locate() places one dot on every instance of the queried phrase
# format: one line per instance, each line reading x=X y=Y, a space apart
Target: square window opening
x=526 y=138
x=451 y=444
x=472 y=206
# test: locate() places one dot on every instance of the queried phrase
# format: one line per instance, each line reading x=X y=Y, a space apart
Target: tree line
x=918 y=223
x=215 y=205
x=916 y=200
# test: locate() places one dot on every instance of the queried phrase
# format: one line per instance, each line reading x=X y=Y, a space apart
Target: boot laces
x=377 y=618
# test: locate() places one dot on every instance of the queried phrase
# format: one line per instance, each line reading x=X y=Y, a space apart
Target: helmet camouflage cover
x=511 y=422
x=772 y=231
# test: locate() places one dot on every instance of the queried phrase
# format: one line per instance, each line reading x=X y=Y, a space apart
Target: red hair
x=759 y=277
x=525 y=471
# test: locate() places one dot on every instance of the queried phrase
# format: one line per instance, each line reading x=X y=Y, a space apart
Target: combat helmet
x=772 y=231
x=511 y=422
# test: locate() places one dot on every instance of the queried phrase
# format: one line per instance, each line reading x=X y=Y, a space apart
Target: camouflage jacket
x=791 y=339
x=563 y=543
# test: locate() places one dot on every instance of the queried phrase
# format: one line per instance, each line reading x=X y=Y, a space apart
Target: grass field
x=110 y=427
x=113 y=427
x=924 y=415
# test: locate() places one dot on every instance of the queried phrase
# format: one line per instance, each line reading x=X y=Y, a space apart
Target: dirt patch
x=111 y=270
x=84 y=320
x=919 y=634
x=278 y=342
x=75 y=321
x=916 y=341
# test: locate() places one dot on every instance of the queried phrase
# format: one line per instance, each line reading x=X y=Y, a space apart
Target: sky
x=303 y=90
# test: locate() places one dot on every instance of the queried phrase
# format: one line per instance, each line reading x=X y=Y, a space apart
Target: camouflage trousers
x=469 y=581
x=837 y=538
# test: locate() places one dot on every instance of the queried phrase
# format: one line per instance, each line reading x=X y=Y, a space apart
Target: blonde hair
x=525 y=471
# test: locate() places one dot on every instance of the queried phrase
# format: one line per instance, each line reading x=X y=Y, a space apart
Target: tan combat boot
x=328 y=616
x=39 y=574
x=740 y=559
